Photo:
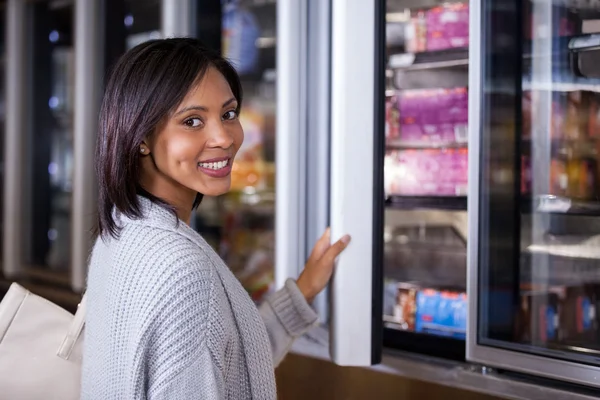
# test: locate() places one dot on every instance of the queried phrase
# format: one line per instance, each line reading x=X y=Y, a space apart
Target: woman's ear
x=144 y=149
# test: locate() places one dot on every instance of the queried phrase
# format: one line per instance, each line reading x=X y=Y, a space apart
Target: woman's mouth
x=217 y=168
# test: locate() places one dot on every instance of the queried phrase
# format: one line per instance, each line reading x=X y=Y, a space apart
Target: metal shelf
x=449 y=203
x=402 y=145
x=561 y=205
x=429 y=60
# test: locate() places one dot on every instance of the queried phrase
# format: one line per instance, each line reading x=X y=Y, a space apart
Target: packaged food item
x=526 y=105
x=594 y=118
x=416 y=33
x=582 y=178
x=247 y=246
x=576 y=111
x=434 y=116
x=392 y=118
x=248 y=169
x=525 y=174
x=558 y=177
x=438 y=172
x=578 y=316
x=441 y=312
x=406 y=306
x=574 y=171
x=538 y=317
x=448 y=27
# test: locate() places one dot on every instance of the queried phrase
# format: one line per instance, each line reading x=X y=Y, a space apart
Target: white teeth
x=214 y=165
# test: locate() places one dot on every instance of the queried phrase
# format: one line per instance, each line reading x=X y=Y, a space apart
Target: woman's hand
x=319 y=267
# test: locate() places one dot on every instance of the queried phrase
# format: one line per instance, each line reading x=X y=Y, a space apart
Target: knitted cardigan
x=167 y=319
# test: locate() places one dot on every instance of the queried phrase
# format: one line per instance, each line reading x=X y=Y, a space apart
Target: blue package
x=551 y=328
x=441 y=313
x=240 y=32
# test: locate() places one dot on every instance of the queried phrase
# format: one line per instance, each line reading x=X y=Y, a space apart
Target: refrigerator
x=534 y=193
x=464 y=163
x=399 y=178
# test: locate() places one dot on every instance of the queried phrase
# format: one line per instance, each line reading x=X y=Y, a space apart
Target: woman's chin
x=214 y=191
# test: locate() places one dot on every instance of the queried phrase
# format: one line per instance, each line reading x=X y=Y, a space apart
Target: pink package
x=426 y=172
x=448 y=27
x=433 y=116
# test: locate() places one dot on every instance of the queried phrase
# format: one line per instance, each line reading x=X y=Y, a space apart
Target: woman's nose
x=220 y=136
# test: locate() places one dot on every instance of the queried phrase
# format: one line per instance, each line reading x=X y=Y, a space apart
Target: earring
x=142 y=150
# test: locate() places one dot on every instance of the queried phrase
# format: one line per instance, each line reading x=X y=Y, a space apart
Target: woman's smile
x=216 y=167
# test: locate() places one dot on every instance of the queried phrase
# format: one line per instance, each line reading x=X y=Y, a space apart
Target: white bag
x=40 y=348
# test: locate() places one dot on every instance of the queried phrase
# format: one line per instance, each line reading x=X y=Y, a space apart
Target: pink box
x=426 y=172
x=448 y=27
x=434 y=116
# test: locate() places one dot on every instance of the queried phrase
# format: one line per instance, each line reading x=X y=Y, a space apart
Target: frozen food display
x=426 y=172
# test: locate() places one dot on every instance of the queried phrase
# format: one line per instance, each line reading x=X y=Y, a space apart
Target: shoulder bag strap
x=74 y=331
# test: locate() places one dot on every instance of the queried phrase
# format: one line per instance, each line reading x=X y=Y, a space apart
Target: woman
x=166 y=318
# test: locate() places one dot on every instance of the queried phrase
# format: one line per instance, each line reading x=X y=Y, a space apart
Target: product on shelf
x=249 y=166
x=574 y=173
x=526 y=112
x=441 y=312
x=594 y=118
x=434 y=116
x=448 y=27
x=426 y=310
x=525 y=174
x=247 y=248
x=406 y=306
x=438 y=172
x=558 y=177
x=578 y=318
x=416 y=33
x=392 y=117
x=538 y=318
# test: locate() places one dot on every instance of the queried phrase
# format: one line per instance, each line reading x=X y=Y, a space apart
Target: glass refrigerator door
x=534 y=257
x=425 y=176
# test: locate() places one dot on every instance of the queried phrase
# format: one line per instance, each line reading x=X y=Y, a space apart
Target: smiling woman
x=181 y=105
x=166 y=318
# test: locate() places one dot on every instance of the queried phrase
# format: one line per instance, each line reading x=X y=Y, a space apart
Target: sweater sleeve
x=287 y=316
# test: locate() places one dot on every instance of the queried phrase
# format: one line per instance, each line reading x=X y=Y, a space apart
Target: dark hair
x=146 y=85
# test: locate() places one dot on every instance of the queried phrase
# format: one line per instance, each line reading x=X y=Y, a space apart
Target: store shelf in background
x=403 y=145
x=560 y=205
x=257 y=3
x=576 y=264
x=452 y=203
x=429 y=60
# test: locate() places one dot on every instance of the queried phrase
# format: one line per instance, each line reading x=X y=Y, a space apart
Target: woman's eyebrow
x=203 y=108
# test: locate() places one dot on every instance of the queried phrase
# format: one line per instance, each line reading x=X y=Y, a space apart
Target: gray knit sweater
x=167 y=319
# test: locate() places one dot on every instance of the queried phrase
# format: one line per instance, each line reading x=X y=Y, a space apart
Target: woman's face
x=193 y=151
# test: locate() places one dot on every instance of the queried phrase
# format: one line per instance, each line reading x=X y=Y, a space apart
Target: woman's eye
x=193 y=122
x=229 y=115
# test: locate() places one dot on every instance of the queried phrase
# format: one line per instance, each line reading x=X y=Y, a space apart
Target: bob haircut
x=145 y=87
